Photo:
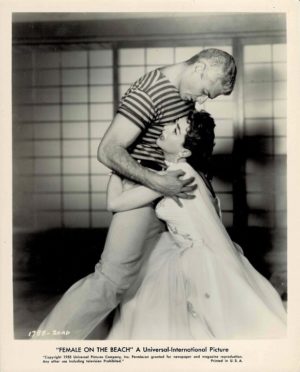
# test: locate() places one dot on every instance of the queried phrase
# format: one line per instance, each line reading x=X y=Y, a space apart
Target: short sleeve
x=138 y=107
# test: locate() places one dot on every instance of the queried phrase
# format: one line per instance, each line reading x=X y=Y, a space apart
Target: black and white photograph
x=149 y=177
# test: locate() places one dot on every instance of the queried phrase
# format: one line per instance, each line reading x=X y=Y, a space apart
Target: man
x=129 y=148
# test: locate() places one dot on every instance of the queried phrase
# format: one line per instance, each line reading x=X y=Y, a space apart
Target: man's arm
x=113 y=153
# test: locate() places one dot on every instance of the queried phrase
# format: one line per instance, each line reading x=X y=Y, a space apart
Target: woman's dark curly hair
x=200 y=141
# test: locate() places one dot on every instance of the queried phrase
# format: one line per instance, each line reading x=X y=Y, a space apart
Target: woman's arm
x=119 y=199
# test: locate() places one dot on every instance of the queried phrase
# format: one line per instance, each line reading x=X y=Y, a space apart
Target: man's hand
x=171 y=184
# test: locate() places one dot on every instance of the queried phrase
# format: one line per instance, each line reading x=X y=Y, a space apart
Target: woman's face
x=172 y=138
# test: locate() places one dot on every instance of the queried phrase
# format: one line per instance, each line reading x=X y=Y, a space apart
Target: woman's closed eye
x=177 y=129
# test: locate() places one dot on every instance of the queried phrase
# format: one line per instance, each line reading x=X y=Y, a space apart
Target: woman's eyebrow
x=178 y=127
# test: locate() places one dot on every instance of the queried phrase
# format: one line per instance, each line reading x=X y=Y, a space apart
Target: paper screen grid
x=64 y=101
x=265 y=120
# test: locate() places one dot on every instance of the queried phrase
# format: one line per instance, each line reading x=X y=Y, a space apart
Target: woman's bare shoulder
x=185 y=166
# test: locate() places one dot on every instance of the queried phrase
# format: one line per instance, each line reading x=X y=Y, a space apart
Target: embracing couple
x=168 y=263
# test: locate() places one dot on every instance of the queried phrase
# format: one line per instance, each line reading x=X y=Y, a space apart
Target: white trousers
x=88 y=302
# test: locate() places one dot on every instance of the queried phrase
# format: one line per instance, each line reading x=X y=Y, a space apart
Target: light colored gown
x=196 y=283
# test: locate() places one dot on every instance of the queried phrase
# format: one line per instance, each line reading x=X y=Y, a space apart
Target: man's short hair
x=218 y=57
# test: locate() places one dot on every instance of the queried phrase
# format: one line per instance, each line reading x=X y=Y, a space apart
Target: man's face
x=173 y=136
x=200 y=82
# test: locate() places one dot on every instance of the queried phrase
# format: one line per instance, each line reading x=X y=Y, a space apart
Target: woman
x=196 y=283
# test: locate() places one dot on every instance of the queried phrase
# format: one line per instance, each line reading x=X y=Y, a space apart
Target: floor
x=46 y=264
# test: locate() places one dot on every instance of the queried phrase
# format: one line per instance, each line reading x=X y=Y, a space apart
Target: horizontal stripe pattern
x=150 y=103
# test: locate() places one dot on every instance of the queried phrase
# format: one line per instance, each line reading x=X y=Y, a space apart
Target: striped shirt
x=150 y=103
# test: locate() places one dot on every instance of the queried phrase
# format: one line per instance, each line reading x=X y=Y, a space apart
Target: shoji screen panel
x=63 y=108
x=23 y=132
x=265 y=131
x=222 y=110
